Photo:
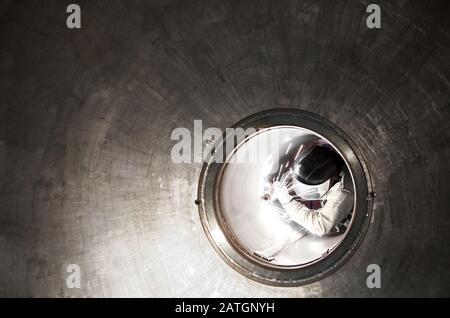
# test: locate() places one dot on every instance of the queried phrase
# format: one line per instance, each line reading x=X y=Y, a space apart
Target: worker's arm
x=321 y=221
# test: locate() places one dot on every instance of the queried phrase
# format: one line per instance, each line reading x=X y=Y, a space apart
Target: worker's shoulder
x=339 y=190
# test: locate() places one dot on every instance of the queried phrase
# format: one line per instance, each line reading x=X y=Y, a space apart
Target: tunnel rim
x=286 y=276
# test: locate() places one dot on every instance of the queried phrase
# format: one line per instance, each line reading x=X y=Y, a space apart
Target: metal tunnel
x=86 y=117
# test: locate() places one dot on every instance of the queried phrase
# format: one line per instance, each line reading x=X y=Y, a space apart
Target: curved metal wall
x=86 y=117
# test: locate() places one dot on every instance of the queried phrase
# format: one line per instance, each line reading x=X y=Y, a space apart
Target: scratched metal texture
x=86 y=116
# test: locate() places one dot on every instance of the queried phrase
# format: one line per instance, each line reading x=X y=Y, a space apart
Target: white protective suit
x=336 y=205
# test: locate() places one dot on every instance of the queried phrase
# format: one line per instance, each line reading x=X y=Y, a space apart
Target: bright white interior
x=254 y=222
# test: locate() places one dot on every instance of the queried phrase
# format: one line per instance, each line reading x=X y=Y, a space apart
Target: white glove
x=281 y=193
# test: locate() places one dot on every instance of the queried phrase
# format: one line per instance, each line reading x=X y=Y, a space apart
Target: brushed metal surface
x=86 y=117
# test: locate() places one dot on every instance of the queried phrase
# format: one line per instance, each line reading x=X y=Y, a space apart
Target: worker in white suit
x=317 y=175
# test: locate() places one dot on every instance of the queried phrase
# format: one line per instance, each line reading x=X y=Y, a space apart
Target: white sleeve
x=321 y=221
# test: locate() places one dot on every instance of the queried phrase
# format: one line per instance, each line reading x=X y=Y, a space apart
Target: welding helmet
x=315 y=170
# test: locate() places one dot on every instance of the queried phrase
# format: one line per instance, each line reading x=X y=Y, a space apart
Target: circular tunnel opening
x=256 y=220
x=264 y=212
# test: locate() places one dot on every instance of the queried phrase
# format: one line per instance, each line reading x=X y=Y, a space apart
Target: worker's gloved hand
x=281 y=192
